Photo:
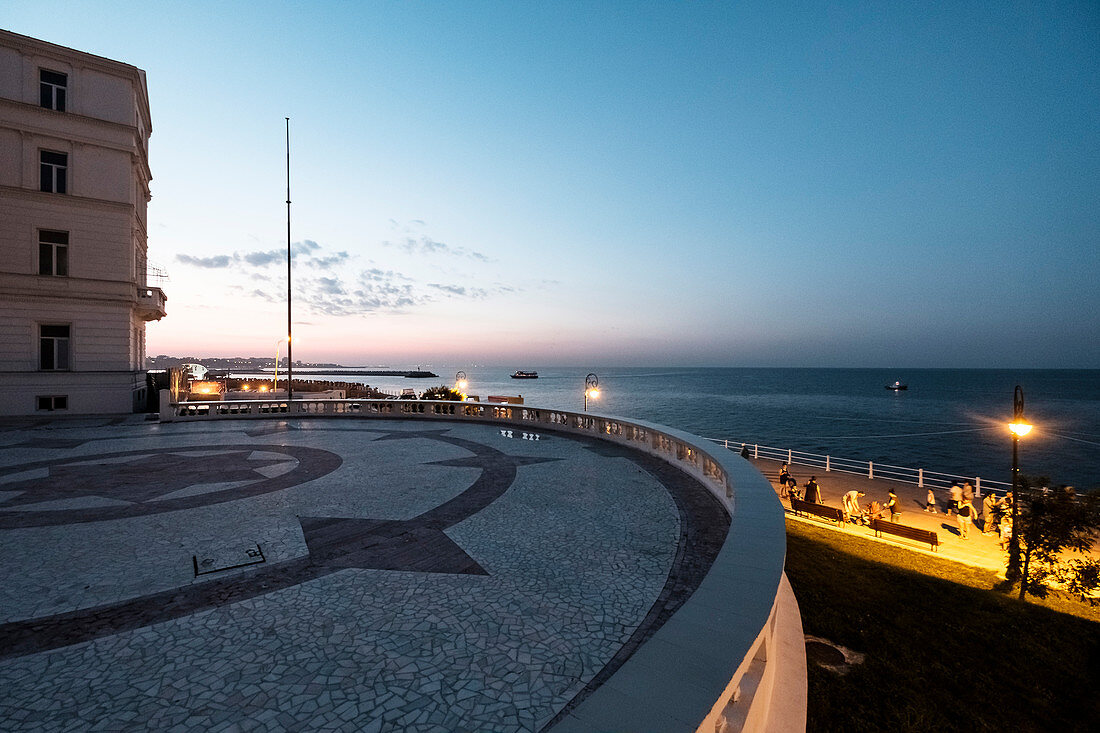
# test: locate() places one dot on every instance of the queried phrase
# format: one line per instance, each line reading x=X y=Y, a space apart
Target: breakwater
x=407 y=373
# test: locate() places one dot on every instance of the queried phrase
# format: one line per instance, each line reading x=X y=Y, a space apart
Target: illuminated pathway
x=978 y=550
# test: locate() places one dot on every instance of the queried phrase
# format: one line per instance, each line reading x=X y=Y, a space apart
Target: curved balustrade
x=738 y=638
x=688 y=456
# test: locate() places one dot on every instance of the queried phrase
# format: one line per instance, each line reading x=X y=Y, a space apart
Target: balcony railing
x=151 y=303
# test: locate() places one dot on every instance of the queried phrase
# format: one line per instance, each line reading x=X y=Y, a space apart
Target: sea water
x=948 y=420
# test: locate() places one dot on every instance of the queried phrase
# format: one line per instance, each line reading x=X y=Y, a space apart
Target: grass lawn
x=945 y=650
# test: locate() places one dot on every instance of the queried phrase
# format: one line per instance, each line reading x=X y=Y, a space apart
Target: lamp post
x=460 y=381
x=275 y=386
x=1019 y=427
x=591 y=389
x=289 y=260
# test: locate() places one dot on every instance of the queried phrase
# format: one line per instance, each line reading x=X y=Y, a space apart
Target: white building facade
x=74 y=189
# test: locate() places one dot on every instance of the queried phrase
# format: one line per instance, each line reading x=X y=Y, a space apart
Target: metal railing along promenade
x=869 y=469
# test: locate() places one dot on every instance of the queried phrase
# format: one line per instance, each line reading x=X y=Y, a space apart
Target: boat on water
x=520 y=374
x=897 y=386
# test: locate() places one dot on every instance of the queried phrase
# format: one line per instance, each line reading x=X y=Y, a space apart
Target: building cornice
x=44 y=122
x=68 y=199
x=18 y=286
x=64 y=54
x=70 y=373
x=49 y=114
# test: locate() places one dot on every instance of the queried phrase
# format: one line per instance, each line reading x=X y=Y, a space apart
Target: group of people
x=853 y=512
x=996 y=516
x=788 y=487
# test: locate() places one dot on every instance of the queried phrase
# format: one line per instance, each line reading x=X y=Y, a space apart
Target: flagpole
x=289 y=353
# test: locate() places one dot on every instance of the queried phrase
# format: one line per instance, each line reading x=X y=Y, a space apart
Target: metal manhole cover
x=213 y=561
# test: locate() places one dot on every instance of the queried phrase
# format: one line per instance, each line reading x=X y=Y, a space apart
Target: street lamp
x=1019 y=428
x=460 y=382
x=591 y=389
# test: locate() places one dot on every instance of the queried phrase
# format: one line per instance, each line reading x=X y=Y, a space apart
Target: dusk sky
x=557 y=183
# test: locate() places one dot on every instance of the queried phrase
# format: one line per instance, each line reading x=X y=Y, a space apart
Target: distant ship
x=519 y=374
x=897 y=386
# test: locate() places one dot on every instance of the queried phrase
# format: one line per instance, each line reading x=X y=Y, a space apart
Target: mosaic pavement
x=329 y=574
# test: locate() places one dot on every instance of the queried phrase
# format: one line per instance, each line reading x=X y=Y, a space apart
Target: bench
x=827 y=512
x=909 y=533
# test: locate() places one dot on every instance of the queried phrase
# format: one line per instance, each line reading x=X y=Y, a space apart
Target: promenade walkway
x=349 y=575
x=978 y=551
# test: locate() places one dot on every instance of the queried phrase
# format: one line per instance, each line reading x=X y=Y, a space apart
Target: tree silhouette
x=442 y=393
x=1057 y=528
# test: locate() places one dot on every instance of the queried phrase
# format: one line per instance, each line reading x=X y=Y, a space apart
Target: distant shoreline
x=410 y=373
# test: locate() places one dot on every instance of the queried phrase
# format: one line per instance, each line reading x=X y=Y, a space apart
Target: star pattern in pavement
x=410 y=546
x=419 y=544
x=146 y=478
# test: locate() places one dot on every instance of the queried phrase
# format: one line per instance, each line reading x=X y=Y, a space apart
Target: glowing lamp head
x=462 y=384
x=593 y=394
x=1020 y=429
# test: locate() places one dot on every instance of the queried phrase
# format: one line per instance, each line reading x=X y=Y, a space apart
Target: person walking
x=956 y=497
x=892 y=506
x=968 y=492
x=931 y=505
x=966 y=516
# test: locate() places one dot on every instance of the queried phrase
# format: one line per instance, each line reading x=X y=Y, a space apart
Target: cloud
x=303 y=252
x=327 y=263
x=461 y=291
x=263 y=259
x=305 y=247
x=330 y=286
x=408 y=226
x=368 y=291
x=452 y=289
x=325 y=284
x=425 y=245
x=376 y=275
x=257 y=293
x=217 y=262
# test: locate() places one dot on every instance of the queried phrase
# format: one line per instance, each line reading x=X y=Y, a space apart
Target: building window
x=53 y=402
x=53 y=169
x=51 y=89
x=53 y=253
x=53 y=348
